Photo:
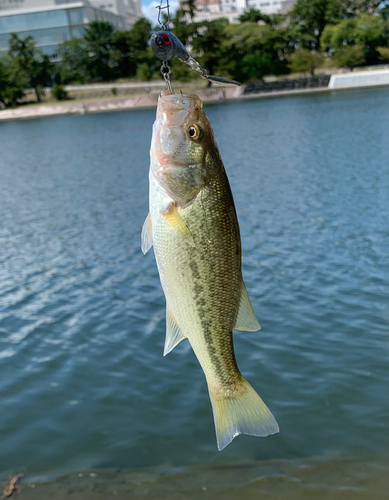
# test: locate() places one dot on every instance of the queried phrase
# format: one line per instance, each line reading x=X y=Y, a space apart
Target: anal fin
x=246 y=319
x=173 y=333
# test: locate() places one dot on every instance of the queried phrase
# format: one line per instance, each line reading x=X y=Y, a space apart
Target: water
x=83 y=384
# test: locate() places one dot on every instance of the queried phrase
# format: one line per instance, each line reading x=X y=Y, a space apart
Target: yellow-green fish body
x=195 y=233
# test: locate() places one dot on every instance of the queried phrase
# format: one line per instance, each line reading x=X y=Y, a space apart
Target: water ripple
x=83 y=381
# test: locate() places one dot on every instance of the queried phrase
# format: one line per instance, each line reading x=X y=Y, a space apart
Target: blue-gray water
x=83 y=383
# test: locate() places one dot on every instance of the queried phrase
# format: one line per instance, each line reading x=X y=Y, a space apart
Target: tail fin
x=241 y=413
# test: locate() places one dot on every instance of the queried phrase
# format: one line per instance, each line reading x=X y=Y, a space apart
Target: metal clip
x=166 y=71
x=164 y=25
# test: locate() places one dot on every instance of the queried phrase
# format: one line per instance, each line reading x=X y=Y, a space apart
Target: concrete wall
x=360 y=79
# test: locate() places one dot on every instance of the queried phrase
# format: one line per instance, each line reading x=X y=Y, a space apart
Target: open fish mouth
x=174 y=108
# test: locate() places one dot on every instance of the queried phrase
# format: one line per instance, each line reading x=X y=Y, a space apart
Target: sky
x=150 y=11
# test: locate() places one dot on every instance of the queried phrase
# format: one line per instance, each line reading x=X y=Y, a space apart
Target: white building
x=51 y=25
x=131 y=9
x=208 y=10
x=52 y=22
x=266 y=6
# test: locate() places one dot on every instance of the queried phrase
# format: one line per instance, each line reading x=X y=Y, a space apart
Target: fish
x=166 y=46
x=193 y=227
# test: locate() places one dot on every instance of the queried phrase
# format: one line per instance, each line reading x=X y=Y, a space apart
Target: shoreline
x=149 y=101
x=335 y=477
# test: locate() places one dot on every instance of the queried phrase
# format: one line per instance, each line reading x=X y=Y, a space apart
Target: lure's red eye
x=166 y=39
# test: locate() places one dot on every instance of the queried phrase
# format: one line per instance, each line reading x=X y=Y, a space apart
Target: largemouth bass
x=194 y=229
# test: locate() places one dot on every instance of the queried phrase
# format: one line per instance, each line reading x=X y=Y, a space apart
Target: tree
x=140 y=51
x=253 y=16
x=305 y=61
x=98 y=42
x=384 y=10
x=257 y=65
x=29 y=64
x=12 y=86
x=189 y=6
x=383 y=53
x=12 y=82
x=143 y=72
x=139 y=36
x=74 y=60
x=122 y=56
x=307 y=21
x=366 y=31
x=349 y=57
x=207 y=43
x=3 y=82
x=252 y=51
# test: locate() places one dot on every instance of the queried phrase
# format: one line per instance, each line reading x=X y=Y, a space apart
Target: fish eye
x=166 y=39
x=194 y=132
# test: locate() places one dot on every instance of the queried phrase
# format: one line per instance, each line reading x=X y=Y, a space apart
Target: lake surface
x=83 y=384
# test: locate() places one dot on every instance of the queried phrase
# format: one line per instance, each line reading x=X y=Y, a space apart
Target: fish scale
x=194 y=230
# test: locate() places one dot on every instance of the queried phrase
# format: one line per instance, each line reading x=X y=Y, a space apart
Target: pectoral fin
x=174 y=218
x=173 y=333
x=246 y=319
x=147 y=235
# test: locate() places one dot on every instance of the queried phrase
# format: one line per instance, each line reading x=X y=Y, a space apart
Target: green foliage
x=207 y=43
x=139 y=37
x=383 y=53
x=307 y=21
x=257 y=65
x=3 y=82
x=11 y=87
x=365 y=31
x=304 y=61
x=59 y=93
x=182 y=72
x=350 y=32
x=189 y=6
x=28 y=64
x=337 y=10
x=350 y=56
x=122 y=59
x=143 y=72
x=384 y=11
x=74 y=57
x=253 y=16
x=140 y=52
x=252 y=51
x=98 y=43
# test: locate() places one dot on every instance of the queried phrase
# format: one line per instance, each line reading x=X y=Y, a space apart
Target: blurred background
x=88 y=405
x=50 y=49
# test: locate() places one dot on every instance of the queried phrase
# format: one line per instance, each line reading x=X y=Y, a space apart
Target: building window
x=76 y=17
x=77 y=32
x=35 y=20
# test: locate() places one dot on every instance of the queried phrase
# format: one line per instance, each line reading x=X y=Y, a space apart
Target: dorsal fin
x=246 y=319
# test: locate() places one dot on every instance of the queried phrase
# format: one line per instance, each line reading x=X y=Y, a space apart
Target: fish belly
x=202 y=284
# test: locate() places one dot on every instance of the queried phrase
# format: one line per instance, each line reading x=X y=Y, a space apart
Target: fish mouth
x=169 y=129
x=174 y=108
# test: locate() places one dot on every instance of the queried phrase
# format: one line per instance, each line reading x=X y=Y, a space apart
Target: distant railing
x=278 y=85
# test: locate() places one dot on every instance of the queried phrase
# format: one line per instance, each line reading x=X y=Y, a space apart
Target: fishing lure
x=167 y=46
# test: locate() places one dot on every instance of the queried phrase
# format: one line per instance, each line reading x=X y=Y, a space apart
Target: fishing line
x=166 y=46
